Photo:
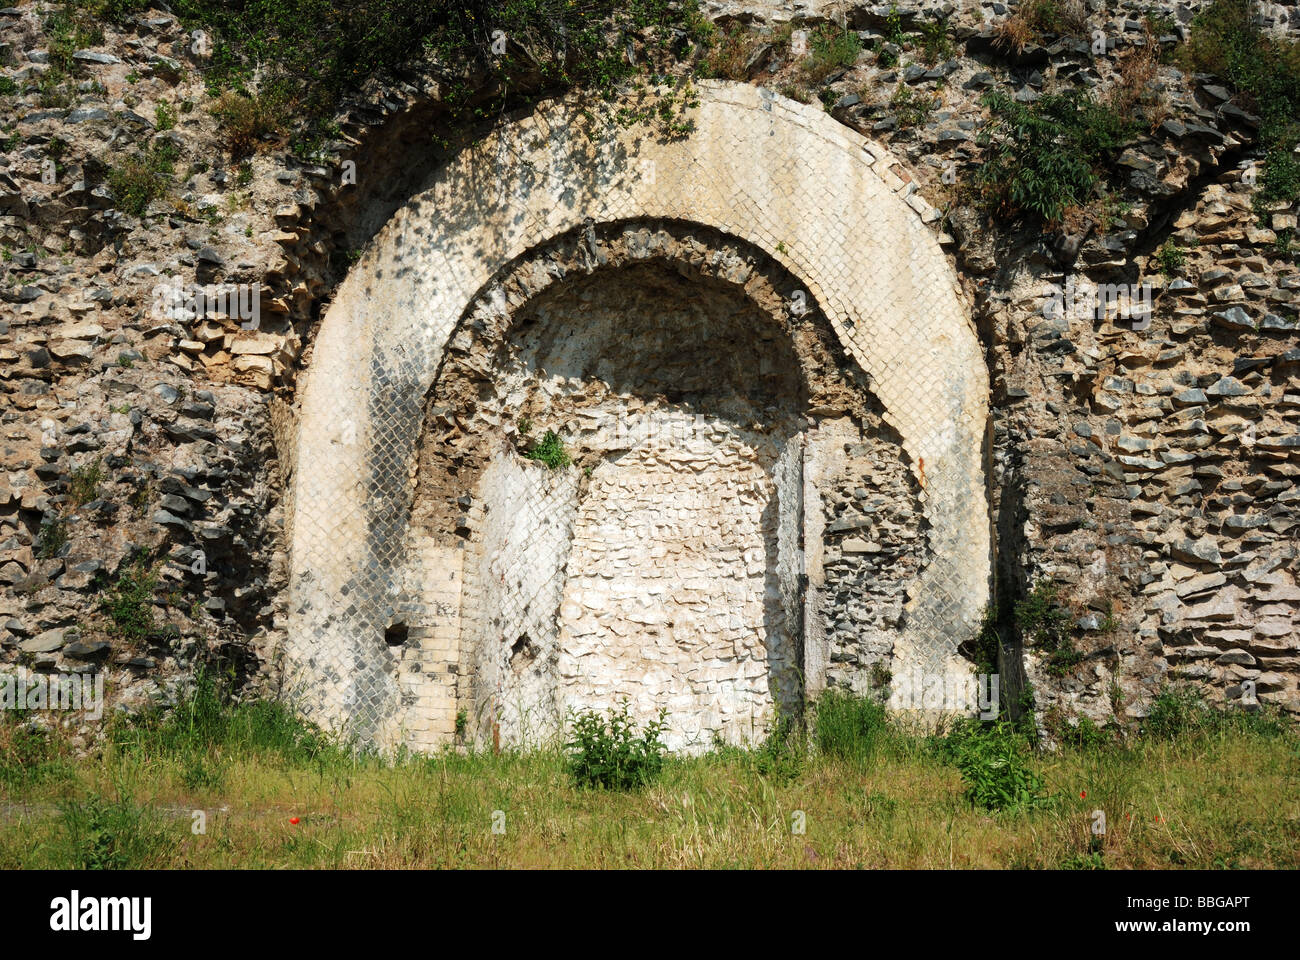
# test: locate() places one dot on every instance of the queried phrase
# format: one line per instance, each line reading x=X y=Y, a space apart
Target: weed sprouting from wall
x=1043 y=620
x=129 y=604
x=52 y=538
x=550 y=451
x=85 y=483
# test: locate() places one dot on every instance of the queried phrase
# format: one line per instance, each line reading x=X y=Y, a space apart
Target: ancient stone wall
x=941 y=414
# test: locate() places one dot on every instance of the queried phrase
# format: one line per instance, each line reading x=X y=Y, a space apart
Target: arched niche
x=779 y=177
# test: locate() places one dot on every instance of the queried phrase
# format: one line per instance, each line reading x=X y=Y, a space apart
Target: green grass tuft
x=849 y=728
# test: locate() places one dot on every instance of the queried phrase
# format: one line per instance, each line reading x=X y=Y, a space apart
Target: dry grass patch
x=1033 y=20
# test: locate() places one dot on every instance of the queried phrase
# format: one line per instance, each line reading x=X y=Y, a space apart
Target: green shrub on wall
x=550 y=451
x=1043 y=620
x=1046 y=157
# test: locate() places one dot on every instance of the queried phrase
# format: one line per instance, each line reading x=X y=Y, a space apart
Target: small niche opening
x=396 y=635
x=522 y=653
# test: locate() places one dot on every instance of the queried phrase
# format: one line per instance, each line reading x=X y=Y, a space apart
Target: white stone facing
x=667 y=601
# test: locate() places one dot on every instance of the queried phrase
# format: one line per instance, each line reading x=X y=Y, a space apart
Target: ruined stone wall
x=874 y=541
x=1148 y=473
x=1127 y=470
x=656 y=590
x=1160 y=487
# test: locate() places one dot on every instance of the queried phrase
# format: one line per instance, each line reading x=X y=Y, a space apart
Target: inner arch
x=653 y=573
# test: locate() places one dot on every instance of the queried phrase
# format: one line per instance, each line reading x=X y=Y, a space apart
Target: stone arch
x=779 y=176
x=675 y=357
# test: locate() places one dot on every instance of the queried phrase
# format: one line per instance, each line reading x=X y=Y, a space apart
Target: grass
x=31 y=757
x=99 y=834
x=849 y=729
x=1134 y=92
x=141 y=179
x=113 y=11
x=1214 y=795
x=893 y=36
x=1179 y=712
